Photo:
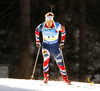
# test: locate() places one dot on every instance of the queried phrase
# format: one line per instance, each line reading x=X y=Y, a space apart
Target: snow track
x=7 y=84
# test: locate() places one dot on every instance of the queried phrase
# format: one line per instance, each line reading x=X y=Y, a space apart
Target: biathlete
x=50 y=31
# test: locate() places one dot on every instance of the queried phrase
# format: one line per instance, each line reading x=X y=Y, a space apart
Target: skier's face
x=49 y=24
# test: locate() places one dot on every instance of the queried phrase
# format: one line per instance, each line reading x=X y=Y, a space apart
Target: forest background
x=81 y=18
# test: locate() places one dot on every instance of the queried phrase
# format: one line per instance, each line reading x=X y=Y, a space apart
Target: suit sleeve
x=63 y=34
x=37 y=32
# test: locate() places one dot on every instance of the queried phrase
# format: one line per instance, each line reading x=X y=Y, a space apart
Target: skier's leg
x=59 y=62
x=58 y=57
x=46 y=57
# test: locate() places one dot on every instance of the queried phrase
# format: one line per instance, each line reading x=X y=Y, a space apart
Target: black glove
x=61 y=45
x=38 y=45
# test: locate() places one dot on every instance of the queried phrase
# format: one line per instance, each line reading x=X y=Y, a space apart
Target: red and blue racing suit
x=50 y=45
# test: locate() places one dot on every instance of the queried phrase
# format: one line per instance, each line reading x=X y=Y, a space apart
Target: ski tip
x=41 y=85
x=68 y=83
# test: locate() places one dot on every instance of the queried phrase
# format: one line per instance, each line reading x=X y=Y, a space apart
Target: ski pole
x=35 y=63
x=63 y=59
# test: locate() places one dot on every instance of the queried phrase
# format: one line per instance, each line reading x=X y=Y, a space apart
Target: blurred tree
x=71 y=27
x=25 y=54
x=82 y=42
x=61 y=12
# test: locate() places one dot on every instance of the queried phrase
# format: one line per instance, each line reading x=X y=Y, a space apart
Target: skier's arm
x=37 y=31
x=37 y=36
x=63 y=35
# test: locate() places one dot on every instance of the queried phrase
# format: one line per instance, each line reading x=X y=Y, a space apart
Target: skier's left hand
x=61 y=45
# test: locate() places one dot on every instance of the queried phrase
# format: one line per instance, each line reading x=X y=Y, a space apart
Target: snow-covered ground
x=7 y=84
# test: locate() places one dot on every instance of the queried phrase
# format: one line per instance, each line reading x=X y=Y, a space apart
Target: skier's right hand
x=38 y=45
x=61 y=45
